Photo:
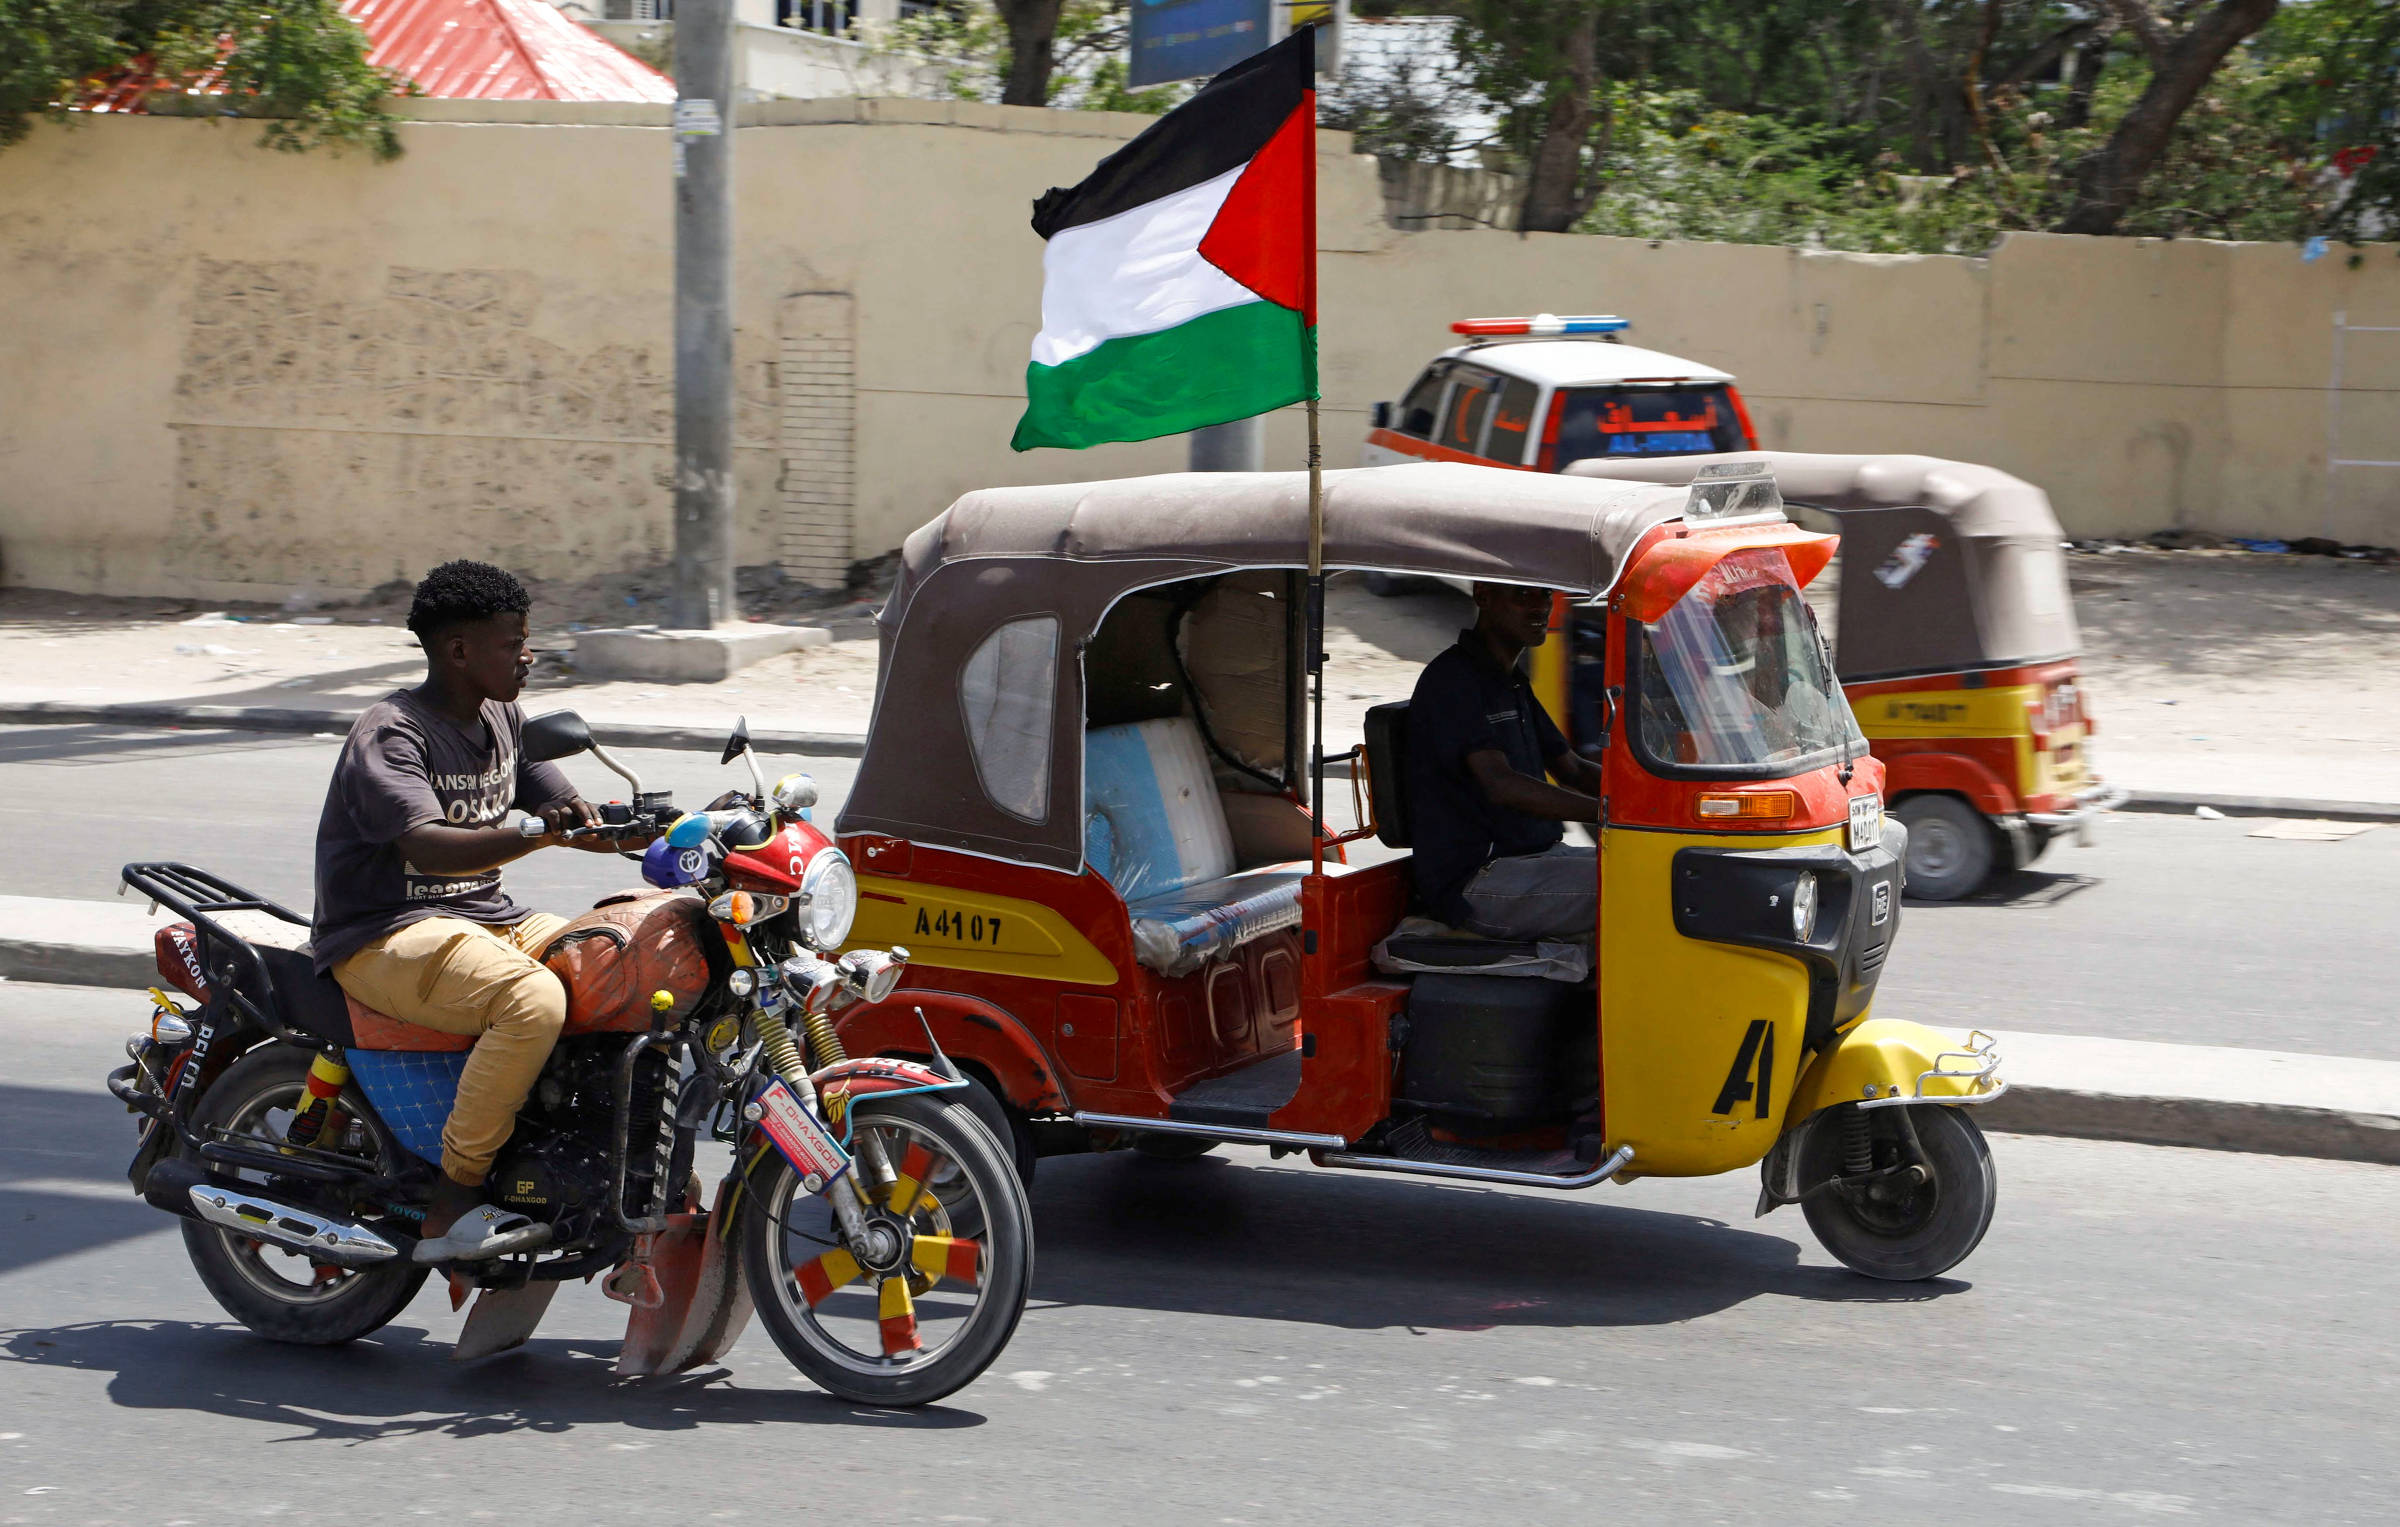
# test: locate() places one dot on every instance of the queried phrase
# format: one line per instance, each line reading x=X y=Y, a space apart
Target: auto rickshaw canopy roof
x=977 y=737
x=1947 y=566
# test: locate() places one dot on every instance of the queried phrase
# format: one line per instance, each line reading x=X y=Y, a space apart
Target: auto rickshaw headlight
x=1804 y=908
x=829 y=899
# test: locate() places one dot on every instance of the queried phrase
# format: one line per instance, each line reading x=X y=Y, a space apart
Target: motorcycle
x=868 y=1216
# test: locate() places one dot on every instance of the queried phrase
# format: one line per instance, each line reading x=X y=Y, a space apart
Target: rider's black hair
x=457 y=592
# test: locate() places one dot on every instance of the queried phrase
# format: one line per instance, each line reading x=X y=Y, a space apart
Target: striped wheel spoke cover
x=818 y=1279
x=944 y=1256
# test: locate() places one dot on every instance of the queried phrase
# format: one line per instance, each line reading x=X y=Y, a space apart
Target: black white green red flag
x=1179 y=286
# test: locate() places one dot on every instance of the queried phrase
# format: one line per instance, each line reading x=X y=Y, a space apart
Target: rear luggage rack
x=200 y=898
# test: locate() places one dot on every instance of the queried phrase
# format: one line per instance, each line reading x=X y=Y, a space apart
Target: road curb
x=24 y=959
x=2273 y=1129
x=262 y=718
x=2266 y=1129
x=2262 y=806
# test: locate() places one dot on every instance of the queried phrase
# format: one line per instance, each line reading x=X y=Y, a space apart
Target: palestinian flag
x=1179 y=289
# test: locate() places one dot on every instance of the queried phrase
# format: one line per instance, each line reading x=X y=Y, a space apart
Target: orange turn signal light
x=1748 y=806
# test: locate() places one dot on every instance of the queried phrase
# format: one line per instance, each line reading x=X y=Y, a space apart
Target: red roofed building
x=486 y=50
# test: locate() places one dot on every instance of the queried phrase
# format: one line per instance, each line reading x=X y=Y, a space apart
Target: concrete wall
x=236 y=372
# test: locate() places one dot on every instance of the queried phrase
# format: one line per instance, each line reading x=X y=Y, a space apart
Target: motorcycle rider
x=411 y=919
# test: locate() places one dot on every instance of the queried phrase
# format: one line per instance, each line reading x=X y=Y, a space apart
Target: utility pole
x=703 y=315
x=1239 y=445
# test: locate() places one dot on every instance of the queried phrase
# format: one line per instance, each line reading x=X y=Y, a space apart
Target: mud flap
x=502 y=1318
x=704 y=1303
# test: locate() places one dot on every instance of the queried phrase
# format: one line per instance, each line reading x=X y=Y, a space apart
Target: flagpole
x=1316 y=644
x=1316 y=496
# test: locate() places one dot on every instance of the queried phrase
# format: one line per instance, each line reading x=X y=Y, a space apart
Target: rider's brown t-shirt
x=405 y=765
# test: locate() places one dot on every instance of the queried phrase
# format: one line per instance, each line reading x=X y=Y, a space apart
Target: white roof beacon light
x=1540 y=326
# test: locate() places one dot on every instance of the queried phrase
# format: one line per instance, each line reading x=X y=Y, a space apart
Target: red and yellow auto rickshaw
x=1955 y=639
x=1084 y=808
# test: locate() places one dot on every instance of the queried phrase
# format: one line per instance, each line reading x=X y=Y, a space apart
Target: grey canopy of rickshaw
x=977 y=738
x=1988 y=589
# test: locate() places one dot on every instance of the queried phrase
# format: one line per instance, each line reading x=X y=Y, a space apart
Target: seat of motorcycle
x=309 y=1002
x=381 y=1031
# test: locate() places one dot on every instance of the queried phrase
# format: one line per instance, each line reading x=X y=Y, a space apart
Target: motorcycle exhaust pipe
x=181 y=1187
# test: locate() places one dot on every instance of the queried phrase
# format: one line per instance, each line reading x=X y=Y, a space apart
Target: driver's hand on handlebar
x=574 y=813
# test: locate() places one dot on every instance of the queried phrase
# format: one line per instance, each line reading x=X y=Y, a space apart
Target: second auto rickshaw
x=1084 y=807
x=1955 y=639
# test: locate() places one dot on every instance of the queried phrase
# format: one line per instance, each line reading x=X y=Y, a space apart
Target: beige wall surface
x=226 y=372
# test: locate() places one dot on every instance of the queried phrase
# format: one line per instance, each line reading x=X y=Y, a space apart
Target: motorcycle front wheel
x=277 y=1292
x=930 y=1297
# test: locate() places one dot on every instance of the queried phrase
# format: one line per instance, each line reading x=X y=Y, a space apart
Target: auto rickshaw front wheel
x=1877 y=1211
x=1951 y=848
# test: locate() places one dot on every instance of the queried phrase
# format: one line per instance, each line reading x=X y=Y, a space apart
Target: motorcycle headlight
x=829 y=899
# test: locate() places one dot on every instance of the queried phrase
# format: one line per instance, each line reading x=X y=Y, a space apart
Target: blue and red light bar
x=1540 y=326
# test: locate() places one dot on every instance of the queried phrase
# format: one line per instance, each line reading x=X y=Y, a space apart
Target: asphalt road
x=2170 y=928
x=2145 y=1333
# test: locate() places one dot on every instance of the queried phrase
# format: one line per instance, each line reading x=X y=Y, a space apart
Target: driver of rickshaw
x=1489 y=780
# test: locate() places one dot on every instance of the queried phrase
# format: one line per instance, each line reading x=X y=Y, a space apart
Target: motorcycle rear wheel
x=834 y=1310
x=279 y=1294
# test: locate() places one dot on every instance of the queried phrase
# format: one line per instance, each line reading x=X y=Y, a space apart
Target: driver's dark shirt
x=1467 y=703
x=403 y=766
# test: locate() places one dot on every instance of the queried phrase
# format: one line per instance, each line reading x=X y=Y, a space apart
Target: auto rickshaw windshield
x=1736 y=675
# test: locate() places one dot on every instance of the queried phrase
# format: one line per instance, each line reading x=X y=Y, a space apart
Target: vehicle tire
x=1951 y=848
x=279 y=1294
x=1894 y=1227
x=1160 y=1147
x=833 y=1331
x=1008 y=1126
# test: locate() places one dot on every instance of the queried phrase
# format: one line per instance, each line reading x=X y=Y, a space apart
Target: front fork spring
x=823 y=1040
x=1858 y=1144
x=874 y=1173
x=783 y=1052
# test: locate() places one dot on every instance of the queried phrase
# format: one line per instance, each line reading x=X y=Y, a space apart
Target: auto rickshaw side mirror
x=1379 y=416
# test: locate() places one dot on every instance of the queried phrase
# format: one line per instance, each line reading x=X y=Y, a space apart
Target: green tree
x=301 y=65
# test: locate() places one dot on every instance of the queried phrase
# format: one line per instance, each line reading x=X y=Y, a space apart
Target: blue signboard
x=1192 y=39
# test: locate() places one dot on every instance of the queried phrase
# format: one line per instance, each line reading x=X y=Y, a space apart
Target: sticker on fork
x=805 y=1142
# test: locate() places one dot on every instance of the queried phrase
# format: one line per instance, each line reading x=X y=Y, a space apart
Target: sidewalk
x=2214 y=677
x=2101 y=1089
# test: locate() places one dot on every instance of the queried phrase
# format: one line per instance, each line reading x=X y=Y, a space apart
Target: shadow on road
x=1214 y=1237
x=73 y=1138
x=399 y=1383
x=2023 y=890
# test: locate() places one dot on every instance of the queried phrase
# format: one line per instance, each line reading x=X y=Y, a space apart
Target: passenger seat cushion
x=1177 y=933
x=1152 y=821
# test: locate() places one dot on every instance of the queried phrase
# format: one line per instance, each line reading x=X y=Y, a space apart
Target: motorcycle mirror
x=739 y=743
x=561 y=734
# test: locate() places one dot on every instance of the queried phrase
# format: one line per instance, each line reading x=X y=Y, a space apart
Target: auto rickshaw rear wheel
x=1951 y=848
x=1898 y=1223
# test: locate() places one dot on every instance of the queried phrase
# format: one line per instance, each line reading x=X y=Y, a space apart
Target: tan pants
x=466 y=977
